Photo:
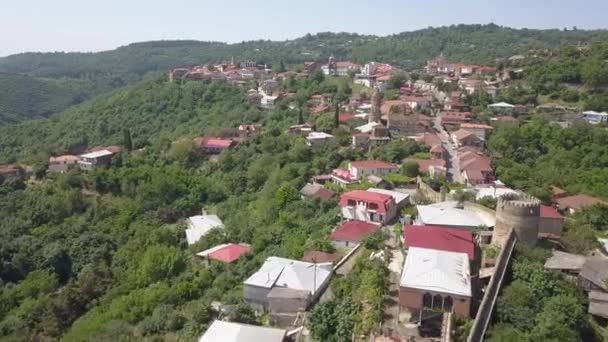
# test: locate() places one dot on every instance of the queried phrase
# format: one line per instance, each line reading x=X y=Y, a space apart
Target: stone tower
x=374 y=115
x=517 y=212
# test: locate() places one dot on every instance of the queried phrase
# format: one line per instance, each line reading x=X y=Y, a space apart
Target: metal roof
x=237 y=332
x=437 y=271
x=200 y=225
x=445 y=214
x=97 y=154
x=293 y=274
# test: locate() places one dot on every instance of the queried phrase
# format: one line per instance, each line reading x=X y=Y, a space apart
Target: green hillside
x=24 y=97
x=103 y=71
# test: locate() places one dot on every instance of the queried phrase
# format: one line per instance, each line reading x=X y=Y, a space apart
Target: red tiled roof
x=372 y=164
x=229 y=253
x=353 y=231
x=440 y=238
x=217 y=143
x=319 y=109
x=381 y=200
x=579 y=201
x=346 y=64
x=549 y=212
x=63 y=159
x=320 y=257
x=473 y=125
x=324 y=194
x=345 y=117
x=424 y=164
x=462 y=134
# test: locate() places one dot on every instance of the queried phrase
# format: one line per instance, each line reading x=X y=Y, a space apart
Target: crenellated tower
x=520 y=213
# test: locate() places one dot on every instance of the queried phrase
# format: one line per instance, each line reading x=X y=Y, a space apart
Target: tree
x=411 y=169
x=243 y=313
x=337 y=116
x=397 y=81
x=127 y=140
x=158 y=263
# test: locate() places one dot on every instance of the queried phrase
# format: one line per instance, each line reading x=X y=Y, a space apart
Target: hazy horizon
x=74 y=26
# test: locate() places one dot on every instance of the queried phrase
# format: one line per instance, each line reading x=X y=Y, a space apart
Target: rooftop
x=227 y=253
x=97 y=154
x=435 y=270
x=238 y=332
x=200 y=225
x=579 y=202
x=396 y=195
x=565 y=261
x=292 y=274
x=353 y=231
x=549 y=212
x=595 y=270
x=441 y=238
x=372 y=164
x=446 y=214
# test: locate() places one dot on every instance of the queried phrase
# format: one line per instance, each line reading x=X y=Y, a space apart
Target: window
x=448 y=303
x=437 y=302
x=373 y=206
x=351 y=203
x=427 y=300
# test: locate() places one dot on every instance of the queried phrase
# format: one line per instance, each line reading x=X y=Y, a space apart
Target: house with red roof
x=479 y=130
x=10 y=170
x=578 y=202
x=454 y=119
x=368 y=206
x=441 y=238
x=475 y=168
x=364 y=168
x=464 y=137
x=551 y=223
x=345 y=117
x=213 y=145
x=225 y=253
x=425 y=165
x=352 y=233
x=62 y=163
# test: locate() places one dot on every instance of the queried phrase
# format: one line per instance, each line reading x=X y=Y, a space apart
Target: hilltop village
x=423 y=230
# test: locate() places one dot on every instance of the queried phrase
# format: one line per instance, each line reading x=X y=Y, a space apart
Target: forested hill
x=150 y=109
x=100 y=72
x=24 y=97
x=466 y=43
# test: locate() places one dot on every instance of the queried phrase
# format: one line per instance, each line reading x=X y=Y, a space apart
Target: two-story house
x=368 y=206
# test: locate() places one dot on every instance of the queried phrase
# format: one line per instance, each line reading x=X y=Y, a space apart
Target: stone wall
x=484 y=314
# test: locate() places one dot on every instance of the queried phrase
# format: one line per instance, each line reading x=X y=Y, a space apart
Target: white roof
x=592 y=112
x=398 y=196
x=492 y=192
x=237 y=332
x=435 y=270
x=318 y=135
x=446 y=213
x=501 y=105
x=200 y=225
x=291 y=274
x=97 y=154
x=367 y=127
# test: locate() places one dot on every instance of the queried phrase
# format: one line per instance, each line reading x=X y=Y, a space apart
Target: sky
x=94 y=25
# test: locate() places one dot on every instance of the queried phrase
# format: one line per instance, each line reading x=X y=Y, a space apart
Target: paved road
x=452 y=158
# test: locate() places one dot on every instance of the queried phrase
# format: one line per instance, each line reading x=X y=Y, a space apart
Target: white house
x=200 y=225
x=318 y=138
x=237 y=332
